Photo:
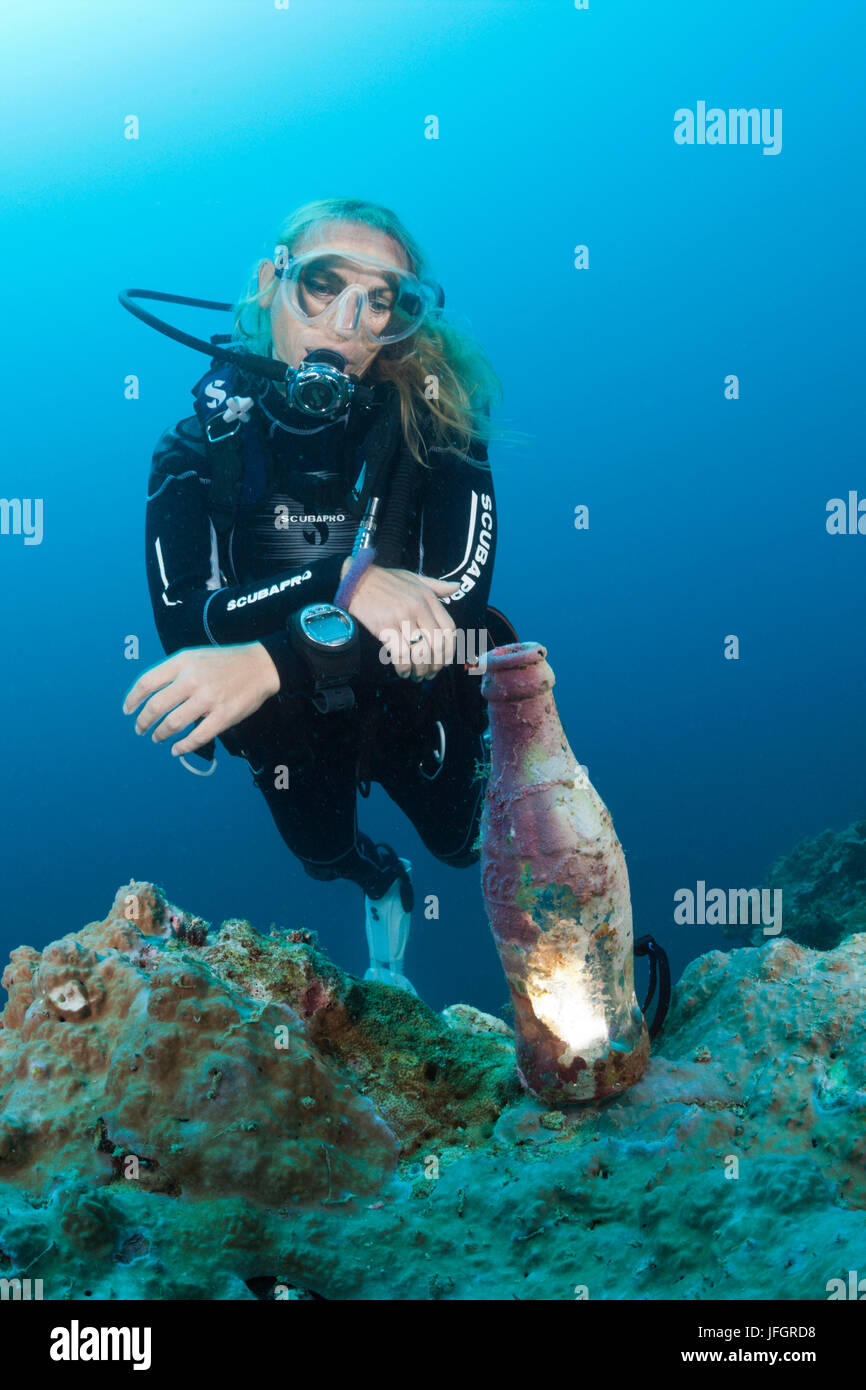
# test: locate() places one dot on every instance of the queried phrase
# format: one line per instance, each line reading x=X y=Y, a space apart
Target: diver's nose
x=349 y=310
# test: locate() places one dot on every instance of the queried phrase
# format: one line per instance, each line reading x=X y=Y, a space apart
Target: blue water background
x=707 y=515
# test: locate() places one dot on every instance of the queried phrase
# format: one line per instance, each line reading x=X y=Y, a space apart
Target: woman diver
x=320 y=544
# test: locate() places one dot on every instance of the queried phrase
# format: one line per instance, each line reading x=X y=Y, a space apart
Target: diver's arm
x=294 y=674
x=458 y=531
x=191 y=604
x=458 y=542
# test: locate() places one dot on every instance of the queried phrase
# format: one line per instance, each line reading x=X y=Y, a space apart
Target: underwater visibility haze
x=646 y=224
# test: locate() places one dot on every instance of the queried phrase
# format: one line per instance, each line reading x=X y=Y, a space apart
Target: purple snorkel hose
x=361 y=562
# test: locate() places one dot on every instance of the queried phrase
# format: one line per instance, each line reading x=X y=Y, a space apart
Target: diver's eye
x=381 y=302
x=321 y=287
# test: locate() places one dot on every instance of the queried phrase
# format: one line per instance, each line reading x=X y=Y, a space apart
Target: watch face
x=327 y=625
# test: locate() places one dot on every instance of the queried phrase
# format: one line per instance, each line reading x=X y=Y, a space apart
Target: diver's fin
x=387 y=926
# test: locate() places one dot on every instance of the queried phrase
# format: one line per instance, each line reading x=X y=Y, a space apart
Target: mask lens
x=388 y=303
x=408 y=312
x=317 y=285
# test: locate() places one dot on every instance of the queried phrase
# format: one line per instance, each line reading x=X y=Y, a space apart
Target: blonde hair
x=467 y=384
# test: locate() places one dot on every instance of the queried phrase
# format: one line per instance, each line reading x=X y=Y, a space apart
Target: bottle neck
x=520 y=701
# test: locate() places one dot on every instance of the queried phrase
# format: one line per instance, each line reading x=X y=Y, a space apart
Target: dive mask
x=343 y=292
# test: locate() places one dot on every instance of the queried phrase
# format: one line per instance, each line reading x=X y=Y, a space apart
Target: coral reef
x=120 y=1054
x=823 y=883
x=241 y=1119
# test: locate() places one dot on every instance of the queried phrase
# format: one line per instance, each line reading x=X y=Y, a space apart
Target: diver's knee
x=460 y=861
x=325 y=873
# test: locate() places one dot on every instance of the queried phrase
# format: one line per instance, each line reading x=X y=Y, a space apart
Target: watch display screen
x=328 y=627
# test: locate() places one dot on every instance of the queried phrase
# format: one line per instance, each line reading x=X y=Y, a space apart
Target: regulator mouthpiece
x=319 y=387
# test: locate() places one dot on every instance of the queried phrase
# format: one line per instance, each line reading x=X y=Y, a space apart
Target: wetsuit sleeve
x=294 y=674
x=458 y=530
x=192 y=604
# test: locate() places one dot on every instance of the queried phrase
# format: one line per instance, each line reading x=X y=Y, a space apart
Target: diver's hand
x=218 y=685
x=393 y=605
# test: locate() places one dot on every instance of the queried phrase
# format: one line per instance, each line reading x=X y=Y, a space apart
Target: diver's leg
x=437 y=777
x=305 y=764
x=320 y=816
x=437 y=774
x=305 y=769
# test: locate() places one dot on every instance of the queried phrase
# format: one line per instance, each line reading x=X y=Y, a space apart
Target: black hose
x=660 y=977
x=398 y=511
x=268 y=367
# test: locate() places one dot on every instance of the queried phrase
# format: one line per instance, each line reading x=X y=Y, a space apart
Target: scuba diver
x=320 y=541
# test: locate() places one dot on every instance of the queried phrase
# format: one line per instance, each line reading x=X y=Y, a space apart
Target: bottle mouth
x=516 y=672
x=516 y=655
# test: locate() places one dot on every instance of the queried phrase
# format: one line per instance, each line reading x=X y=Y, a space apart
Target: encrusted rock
x=471 y=1020
x=823 y=887
x=134 y=1061
x=243 y=1120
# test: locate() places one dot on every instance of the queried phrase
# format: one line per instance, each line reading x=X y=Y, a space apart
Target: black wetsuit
x=286 y=550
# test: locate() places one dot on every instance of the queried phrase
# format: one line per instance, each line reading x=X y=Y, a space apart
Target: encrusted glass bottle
x=556 y=887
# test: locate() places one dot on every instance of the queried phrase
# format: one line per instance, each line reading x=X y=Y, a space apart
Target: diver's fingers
x=434 y=590
x=159 y=704
x=434 y=628
x=395 y=646
x=443 y=587
x=438 y=612
x=443 y=640
x=152 y=680
x=443 y=635
x=187 y=713
x=432 y=648
x=421 y=655
x=398 y=647
x=215 y=723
